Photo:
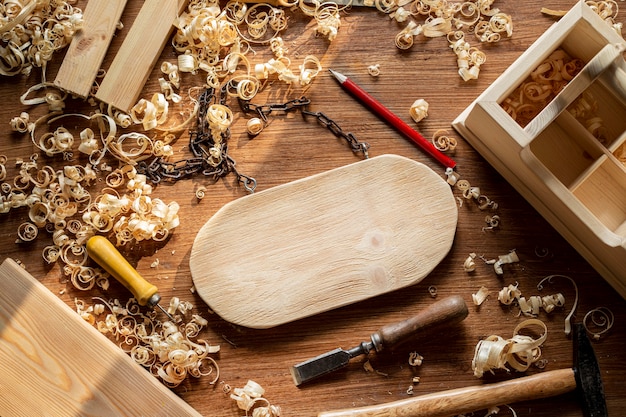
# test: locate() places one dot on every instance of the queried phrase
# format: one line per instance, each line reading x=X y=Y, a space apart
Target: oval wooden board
x=324 y=241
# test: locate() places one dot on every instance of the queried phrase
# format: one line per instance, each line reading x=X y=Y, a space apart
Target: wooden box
x=576 y=181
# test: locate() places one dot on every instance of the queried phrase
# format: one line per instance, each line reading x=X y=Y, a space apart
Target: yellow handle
x=102 y=251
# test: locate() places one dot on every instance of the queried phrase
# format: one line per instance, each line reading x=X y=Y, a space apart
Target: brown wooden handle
x=450 y=310
x=465 y=400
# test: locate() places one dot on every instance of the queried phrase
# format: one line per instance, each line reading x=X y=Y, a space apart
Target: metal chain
x=331 y=125
x=216 y=166
x=302 y=103
x=200 y=144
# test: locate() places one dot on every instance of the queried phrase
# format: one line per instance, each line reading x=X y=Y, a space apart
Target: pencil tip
x=340 y=77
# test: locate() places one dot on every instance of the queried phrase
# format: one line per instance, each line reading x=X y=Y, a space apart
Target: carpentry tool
x=585 y=376
x=101 y=250
x=336 y=241
x=450 y=310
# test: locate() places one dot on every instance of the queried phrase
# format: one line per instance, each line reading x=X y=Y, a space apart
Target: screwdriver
x=102 y=251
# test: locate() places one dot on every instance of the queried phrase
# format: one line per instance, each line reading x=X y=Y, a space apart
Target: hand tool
x=447 y=311
x=380 y=110
x=102 y=251
x=584 y=376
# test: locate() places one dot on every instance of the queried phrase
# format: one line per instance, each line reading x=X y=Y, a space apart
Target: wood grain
x=56 y=364
x=86 y=52
x=137 y=56
x=291 y=148
x=341 y=236
x=459 y=401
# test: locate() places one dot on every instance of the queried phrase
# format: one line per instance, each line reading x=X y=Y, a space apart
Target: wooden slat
x=139 y=52
x=89 y=46
x=56 y=364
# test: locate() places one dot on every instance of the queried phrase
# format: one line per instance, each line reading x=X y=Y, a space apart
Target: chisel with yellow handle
x=102 y=251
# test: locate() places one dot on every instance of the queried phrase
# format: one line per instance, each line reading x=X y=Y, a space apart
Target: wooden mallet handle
x=464 y=400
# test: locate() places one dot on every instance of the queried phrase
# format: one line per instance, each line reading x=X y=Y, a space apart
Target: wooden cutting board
x=324 y=241
x=53 y=363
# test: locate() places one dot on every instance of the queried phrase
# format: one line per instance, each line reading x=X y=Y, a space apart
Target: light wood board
x=325 y=241
x=139 y=53
x=56 y=364
x=84 y=56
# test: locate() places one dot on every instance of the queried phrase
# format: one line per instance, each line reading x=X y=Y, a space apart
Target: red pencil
x=376 y=107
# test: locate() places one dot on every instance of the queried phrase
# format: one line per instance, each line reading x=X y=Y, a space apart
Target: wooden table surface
x=291 y=148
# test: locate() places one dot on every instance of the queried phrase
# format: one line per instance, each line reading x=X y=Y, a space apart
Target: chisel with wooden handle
x=584 y=377
x=450 y=310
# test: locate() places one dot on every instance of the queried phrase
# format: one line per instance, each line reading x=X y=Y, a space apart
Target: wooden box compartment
x=566 y=162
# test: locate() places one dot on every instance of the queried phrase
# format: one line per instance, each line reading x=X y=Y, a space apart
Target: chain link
x=202 y=145
x=302 y=103
x=331 y=125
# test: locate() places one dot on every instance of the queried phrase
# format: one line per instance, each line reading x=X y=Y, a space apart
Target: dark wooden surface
x=291 y=148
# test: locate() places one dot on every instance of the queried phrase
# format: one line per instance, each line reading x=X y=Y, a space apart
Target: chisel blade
x=447 y=311
x=320 y=365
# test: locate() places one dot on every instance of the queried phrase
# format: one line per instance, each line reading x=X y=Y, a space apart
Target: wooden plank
x=55 y=364
x=139 y=52
x=325 y=241
x=88 y=47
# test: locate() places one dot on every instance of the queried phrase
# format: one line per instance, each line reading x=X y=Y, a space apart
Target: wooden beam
x=139 y=52
x=84 y=56
x=54 y=363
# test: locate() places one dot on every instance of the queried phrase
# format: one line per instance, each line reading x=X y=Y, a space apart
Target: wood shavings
x=541 y=86
x=452 y=20
x=419 y=110
x=469 y=59
x=443 y=142
x=59 y=200
x=27 y=232
x=532 y=305
x=585 y=110
x=432 y=290
x=492 y=221
x=411 y=388
x=150 y=113
x=598 y=321
x=33 y=31
x=509 y=258
x=480 y=296
x=470 y=192
x=21 y=123
x=607 y=10
x=169 y=351
x=470 y=264
x=568 y=318
x=254 y=126
x=250 y=399
x=518 y=352
x=200 y=192
x=415 y=359
x=328 y=19
x=53 y=97
x=373 y=70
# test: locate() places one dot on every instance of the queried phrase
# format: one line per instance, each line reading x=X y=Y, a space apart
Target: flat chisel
x=447 y=311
